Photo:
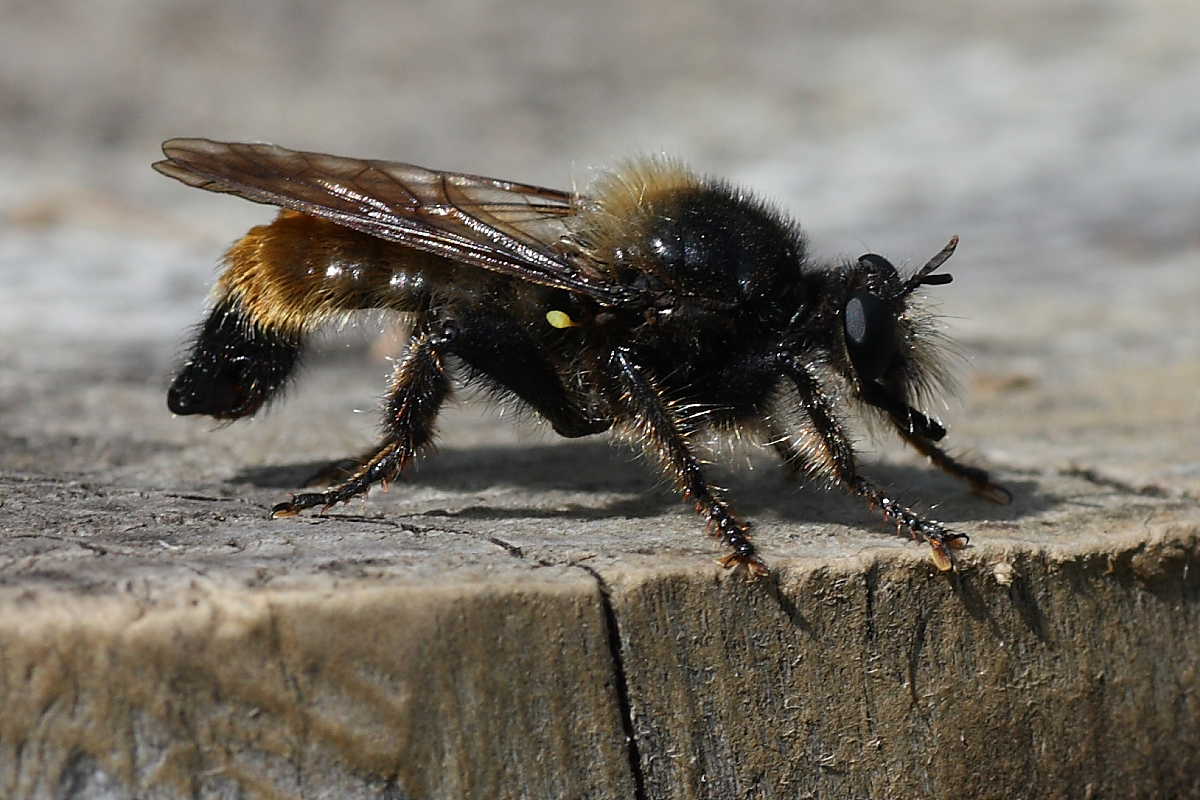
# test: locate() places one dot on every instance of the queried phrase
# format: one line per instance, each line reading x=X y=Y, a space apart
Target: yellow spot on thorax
x=560 y=319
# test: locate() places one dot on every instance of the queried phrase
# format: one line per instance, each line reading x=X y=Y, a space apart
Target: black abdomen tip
x=235 y=367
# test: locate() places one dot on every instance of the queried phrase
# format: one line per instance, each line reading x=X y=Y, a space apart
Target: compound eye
x=870 y=335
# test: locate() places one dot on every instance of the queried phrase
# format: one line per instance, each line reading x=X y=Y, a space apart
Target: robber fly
x=659 y=305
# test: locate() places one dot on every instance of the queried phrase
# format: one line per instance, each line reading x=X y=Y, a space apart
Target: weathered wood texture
x=465 y=690
x=1062 y=669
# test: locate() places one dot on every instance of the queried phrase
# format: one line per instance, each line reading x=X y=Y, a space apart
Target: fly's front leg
x=419 y=387
x=835 y=458
x=662 y=433
x=921 y=432
x=978 y=479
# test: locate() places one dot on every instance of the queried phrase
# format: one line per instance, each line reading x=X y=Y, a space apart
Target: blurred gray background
x=1060 y=141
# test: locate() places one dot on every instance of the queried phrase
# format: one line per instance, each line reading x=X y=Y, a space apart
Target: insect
x=660 y=305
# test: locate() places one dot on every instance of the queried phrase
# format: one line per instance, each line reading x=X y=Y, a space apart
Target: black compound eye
x=870 y=335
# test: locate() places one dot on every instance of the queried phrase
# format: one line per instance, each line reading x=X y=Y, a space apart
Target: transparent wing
x=510 y=228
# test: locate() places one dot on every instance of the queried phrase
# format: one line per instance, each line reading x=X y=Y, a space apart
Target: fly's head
x=890 y=350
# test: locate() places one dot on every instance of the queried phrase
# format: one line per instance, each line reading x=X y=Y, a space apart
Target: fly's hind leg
x=336 y=472
x=499 y=353
x=420 y=386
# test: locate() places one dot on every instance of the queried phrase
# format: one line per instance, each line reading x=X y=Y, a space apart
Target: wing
x=506 y=227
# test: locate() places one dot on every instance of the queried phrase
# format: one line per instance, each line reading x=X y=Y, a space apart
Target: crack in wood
x=613 y=630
